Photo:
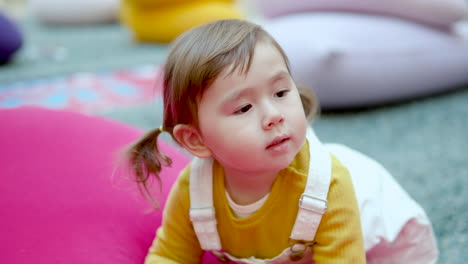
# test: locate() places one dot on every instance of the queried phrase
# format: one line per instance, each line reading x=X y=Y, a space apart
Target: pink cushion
x=433 y=12
x=59 y=202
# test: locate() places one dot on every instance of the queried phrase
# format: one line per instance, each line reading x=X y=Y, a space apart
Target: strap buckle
x=311 y=203
x=297 y=248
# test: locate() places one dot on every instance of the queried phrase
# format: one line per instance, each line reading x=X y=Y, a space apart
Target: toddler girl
x=261 y=188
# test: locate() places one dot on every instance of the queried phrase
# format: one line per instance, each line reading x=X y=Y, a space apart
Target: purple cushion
x=58 y=198
x=353 y=60
x=440 y=13
x=10 y=40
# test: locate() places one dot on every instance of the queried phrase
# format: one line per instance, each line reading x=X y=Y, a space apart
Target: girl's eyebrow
x=278 y=77
x=246 y=91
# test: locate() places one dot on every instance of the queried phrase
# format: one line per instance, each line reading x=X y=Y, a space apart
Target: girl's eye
x=281 y=93
x=243 y=110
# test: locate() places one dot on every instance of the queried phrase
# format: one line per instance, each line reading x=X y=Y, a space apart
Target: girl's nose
x=272 y=119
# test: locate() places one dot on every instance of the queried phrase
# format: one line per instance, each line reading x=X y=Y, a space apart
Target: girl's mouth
x=277 y=142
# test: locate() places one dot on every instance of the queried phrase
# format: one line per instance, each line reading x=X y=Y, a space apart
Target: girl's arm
x=339 y=237
x=175 y=240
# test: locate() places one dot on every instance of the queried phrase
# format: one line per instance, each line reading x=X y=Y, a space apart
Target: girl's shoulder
x=181 y=185
x=183 y=179
x=340 y=173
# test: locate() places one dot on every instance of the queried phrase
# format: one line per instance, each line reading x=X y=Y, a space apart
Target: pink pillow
x=433 y=12
x=59 y=201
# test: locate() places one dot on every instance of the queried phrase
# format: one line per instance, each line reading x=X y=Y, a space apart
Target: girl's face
x=254 y=122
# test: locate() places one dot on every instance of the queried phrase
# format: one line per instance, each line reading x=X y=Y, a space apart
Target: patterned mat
x=86 y=92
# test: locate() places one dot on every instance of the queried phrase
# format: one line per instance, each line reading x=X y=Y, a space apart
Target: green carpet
x=423 y=143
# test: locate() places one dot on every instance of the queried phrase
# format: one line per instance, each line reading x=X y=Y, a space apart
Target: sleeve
x=339 y=237
x=175 y=240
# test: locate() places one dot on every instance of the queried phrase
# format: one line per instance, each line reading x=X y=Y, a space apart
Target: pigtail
x=146 y=161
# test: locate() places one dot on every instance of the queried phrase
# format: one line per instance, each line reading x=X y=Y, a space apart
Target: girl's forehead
x=256 y=68
x=267 y=68
x=242 y=67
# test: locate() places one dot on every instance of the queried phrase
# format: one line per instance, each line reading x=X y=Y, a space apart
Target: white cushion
x=355 y=60
x=74 y=12
x=433 y=12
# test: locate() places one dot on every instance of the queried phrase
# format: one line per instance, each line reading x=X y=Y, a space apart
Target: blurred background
x=392 y=80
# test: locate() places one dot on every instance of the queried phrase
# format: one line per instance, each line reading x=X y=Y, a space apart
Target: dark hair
x=195 y=60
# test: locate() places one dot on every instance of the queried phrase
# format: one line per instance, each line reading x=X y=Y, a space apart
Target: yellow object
x=163 y=20
x=265 y=233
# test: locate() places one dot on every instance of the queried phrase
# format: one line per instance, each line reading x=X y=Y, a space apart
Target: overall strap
x=202 y=212
x=313 y=202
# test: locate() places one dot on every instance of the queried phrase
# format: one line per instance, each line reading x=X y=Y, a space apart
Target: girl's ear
x=189 y=137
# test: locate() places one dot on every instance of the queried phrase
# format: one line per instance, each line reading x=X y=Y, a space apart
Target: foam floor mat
x=86 y=92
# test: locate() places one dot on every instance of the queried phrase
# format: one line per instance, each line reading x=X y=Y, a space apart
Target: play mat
x=86 y=91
